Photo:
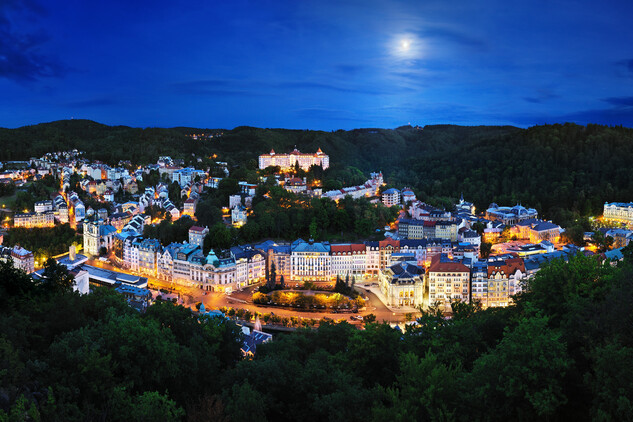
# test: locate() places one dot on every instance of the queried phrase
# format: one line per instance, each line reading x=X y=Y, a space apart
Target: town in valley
x=424 y=257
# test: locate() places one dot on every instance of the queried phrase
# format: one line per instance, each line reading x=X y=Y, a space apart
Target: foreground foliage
x=564 y=352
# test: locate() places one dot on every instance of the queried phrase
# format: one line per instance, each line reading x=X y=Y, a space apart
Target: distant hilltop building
x=288 y=161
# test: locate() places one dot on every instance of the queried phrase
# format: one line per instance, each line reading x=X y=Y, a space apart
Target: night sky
x=316 y=64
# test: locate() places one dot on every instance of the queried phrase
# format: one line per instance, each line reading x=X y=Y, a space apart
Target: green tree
x=522 y=377
x=425 y=390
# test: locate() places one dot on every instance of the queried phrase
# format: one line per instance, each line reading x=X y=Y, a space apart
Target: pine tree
x=282 y=282
x=272 y=281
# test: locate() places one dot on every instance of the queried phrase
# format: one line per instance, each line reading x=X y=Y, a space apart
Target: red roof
x=509 y=267
x=387 y=242
x=197 y=229
x=344 y=248
x=447 y=267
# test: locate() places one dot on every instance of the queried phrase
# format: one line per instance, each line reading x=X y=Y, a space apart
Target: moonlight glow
x=405 y=47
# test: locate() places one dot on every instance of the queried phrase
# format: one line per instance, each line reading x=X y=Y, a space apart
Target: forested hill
x=548 y=167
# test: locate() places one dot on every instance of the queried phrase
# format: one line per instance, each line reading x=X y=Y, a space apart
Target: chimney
x=71 y=253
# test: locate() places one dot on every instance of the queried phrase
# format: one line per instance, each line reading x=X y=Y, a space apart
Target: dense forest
x=564 y=352
x=564 y=171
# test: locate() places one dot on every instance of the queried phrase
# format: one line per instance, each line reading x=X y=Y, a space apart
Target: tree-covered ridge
x=564 y=352
x=554 y=168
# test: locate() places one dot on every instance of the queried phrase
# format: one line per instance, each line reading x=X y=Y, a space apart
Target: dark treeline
x=280 y=214
x=564 y=171
x=564 y=352
x=44 y=242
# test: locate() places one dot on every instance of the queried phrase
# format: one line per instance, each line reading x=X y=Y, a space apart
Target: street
x=190 y=296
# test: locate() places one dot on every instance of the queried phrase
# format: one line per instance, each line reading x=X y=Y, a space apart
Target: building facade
x=289 y=161
x=402 y=284
x=620 y=211
x=448 y=281
x=310 y=261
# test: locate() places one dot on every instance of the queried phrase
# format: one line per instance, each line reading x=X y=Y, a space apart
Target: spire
x=461 y=198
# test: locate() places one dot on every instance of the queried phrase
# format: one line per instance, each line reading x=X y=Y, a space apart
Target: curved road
x=190 y=296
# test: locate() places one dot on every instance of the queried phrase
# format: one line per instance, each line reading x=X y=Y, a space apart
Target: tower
x=91 y=238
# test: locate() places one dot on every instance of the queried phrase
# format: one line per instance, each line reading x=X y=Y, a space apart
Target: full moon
x=406 y=46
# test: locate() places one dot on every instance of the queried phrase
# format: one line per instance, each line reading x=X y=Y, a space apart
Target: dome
x=519 y=210
x=493 y=206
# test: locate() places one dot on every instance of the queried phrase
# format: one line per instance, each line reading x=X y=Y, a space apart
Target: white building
x=621 y=211
x=310 y=261
x=391 y=197
x=197 y=235
x=402 y=284
x=238 y=216
x=348 y=259
x=448 y=281
x=288 y=161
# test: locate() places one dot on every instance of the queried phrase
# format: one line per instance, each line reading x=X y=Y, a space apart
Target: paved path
x=190 y=296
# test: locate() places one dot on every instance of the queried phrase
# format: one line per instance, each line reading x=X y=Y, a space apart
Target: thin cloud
x=329 y=114
x=620 y=101
x=92 y=102
x=20 y=58
x=541 y=96
x=453 y=36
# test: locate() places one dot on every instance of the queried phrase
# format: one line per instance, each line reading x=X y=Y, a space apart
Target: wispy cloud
x=541 y=96
x=453 y=36
x=92 y=102
x=221 y=87
x=215 y=88
x=20 y=56
x=319 y=113
x=620 y=101
x=627 y=65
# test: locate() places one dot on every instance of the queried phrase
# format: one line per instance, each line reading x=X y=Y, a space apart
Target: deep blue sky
x=316 y=64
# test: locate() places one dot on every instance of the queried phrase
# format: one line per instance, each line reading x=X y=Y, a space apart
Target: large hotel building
x=288 y=161
x=620 y=211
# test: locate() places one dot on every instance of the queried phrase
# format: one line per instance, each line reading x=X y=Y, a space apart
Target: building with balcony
x=288 y=161
x=402 y=284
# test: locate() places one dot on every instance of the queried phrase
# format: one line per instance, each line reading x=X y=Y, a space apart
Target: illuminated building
x=288 y=161
x=369 y=189
x=448 y=281
x=504 y=280
x=97 y=235
x=34 y=219
x=620 y=211
x=310 y=261
x=349 y=259
x=537 y=231
x=23 y=259
x=238 y=216
x=402 y=284
x=391 y=197
x=510 y=216
x=197 y=235
x=189 y=207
